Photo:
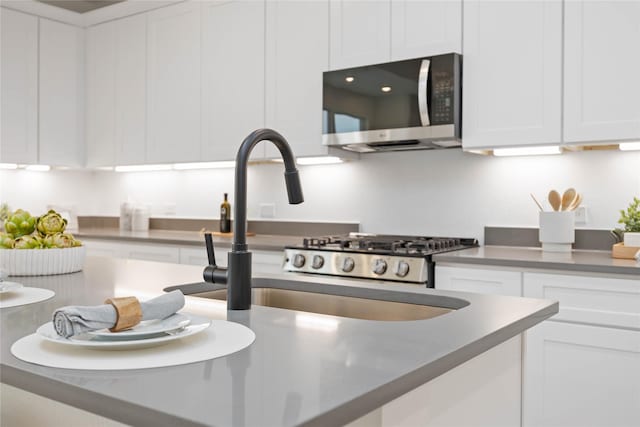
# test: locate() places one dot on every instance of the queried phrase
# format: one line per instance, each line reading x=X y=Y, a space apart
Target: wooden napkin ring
x=128 y=311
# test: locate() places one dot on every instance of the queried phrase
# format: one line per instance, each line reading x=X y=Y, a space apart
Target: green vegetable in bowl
x=6 y=241
x=59 y=240
x=20 y=223
x=28 y=242
x=50 y=223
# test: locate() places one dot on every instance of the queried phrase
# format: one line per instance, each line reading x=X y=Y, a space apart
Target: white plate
x=197 y=324
x=145 y=328
x=9 y=286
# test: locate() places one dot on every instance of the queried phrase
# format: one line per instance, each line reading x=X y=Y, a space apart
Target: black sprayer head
x=294 y=189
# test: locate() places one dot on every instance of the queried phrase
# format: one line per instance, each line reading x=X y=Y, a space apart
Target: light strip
x=204 y=165
x=38 y=168
x=527 y=151
x=8 y=166
x=629 y=146
x=326 y=160
x=143 y=168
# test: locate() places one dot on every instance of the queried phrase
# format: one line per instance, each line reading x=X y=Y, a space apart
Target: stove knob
x=298 y=260
x=348 y=264
x=380 y=266
x=318 y=261
x=402 y=269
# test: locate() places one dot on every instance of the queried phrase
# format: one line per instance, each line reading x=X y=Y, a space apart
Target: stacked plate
x=147 y=333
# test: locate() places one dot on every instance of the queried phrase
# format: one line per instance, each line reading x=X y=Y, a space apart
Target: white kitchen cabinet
x=232 y=76
x=478 y=280
x=142 y=251
x=582 y=367
x=425 y=28
x=19 y=74
x=116 y=92
x=512 y=73
x=61 y=94
x=174 y=89
x=601 y=69
x=359 y=33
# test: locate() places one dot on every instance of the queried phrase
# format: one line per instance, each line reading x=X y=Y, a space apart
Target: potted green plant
x=631 y=220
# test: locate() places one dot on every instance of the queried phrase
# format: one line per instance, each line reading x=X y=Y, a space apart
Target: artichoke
x=59 y=240
x=28 y=242
x=50 y=223
x=6 y=241
x=20 y=223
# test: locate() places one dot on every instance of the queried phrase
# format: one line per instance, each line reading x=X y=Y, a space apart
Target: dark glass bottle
x=225 y=216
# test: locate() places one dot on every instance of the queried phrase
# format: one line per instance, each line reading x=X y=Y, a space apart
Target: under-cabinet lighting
x=143 y=168
x=527 y=151
x=204 y=165
x=38 y=168
x=325 y=160
x=8 y=166
x=629 y=146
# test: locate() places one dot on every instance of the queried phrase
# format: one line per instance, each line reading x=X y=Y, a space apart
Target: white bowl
x=41 y=262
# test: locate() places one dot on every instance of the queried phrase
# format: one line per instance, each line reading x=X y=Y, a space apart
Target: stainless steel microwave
x=402 y=105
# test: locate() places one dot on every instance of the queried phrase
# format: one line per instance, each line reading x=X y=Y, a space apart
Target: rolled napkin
x=73 y=319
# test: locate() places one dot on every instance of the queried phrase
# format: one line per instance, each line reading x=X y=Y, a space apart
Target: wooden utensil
x=555 y=200
x=576 y=202
x=537 y=203
x=567 y=199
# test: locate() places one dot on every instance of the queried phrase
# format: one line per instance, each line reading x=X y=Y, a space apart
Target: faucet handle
x=212 y=273
x=211 y=254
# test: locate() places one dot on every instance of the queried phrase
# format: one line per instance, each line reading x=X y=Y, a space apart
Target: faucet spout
x=239 y=259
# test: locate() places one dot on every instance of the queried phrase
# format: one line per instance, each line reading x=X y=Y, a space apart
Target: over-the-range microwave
x=402 y=105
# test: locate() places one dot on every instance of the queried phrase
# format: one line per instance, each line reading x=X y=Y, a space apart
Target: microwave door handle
x=423 y=92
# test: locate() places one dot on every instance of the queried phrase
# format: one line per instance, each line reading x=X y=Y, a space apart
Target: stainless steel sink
x=356 y=303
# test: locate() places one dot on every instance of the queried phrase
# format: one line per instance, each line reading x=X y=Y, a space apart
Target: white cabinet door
x=173 y=71
x=61 y=83
x=19 y=74
x=232 y=76
x=582 y=376
x=425 y=28
x=359 y=32
x=151 y=252
x=101 y=90
x=512 y=73
x=294 y=66
x=477 y=280
x=267 y=261
x=601 y=69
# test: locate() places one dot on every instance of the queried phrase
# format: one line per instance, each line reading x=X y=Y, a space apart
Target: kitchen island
x=329 y=372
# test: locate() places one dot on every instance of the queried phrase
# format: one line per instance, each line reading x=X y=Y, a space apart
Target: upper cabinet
x=61 y=94
x=294 y=67
x=601 y=71
x=116 y=92
x=512 y=73
x=173 y=83
x=233 y=35
x=19 y=123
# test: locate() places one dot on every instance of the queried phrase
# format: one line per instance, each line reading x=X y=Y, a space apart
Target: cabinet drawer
x=596 y=300
x=477 y=280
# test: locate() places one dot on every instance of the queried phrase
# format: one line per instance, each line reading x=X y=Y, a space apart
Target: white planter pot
x=632 y=239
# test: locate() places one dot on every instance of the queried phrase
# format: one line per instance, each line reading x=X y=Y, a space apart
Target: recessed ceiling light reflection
x=316 y=322
x=386 y=89
x=349 y=79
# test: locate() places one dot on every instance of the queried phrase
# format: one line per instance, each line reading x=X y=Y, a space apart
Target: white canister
x=126 y=211
x=140 y=219
x=557 y=231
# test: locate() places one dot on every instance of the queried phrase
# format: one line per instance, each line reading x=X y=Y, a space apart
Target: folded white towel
x=73 y=320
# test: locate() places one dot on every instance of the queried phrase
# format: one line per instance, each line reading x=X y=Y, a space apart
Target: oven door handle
x=423 y=92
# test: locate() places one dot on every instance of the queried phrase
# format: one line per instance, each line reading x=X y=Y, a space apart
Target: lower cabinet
x=582 y=366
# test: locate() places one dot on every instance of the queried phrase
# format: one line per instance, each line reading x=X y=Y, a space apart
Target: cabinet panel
x=61 y=83
x=424 y=28
x=512 y=73
x=359 y=33
x=233 y=76
x=594 y=300
x=578 y=375
x=481 y=281
x=294 y=67
x=19 y=74
x=151 y=253
x=173 y=71
x=602 y=65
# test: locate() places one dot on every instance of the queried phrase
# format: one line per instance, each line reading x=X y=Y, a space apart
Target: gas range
x=373 y=256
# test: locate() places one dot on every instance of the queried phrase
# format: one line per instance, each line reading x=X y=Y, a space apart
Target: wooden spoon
x=555 y=200
x=567 y=198
x=576 y=202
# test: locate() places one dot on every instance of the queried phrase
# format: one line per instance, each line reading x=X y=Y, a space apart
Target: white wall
x=444 y=192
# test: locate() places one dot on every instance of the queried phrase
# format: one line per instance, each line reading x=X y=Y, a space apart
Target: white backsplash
x=445 y=192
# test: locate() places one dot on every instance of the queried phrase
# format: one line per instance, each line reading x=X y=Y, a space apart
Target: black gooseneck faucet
x=238 y=273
